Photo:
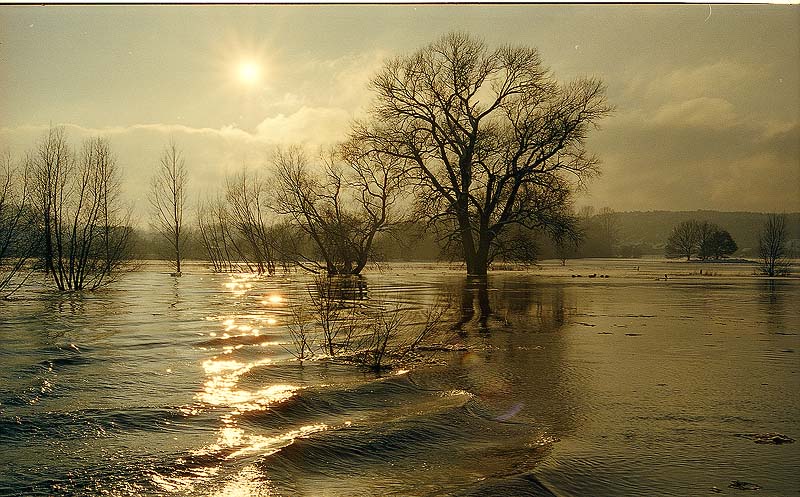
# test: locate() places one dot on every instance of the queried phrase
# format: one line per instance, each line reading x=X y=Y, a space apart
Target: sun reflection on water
x=224 y=391
x=239 y=284
x=235 y=442
x=220 y=389
x=248 y=482
x=273 y=299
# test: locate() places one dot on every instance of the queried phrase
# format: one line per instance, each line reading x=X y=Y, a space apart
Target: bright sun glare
x=249 y=72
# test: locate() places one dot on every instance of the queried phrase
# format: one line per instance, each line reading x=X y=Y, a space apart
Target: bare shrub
x=432 y=321
x=327 y=305
x=372 y=334
x=301 y=333
x=382 y=328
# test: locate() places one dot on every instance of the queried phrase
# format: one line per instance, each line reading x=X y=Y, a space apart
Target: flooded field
x=655 y=380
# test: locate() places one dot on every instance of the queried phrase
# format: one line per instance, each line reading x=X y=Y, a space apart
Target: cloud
x=689 y=82
x=700 y=137
x=702 y=112
x=315 y=112
x=690 y=161
x=340 y=83
x=694 y=137
x=210 y=153
x=312 y=126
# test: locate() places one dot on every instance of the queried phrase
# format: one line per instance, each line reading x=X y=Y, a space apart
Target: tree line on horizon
x=708 y=241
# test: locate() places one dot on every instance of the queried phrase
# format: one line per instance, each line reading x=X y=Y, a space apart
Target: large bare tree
x=86 y=233
x=167 y=200
x=340 y=206
x=493 y=139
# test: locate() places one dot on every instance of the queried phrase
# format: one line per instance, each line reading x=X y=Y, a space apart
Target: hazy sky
x=707 y=98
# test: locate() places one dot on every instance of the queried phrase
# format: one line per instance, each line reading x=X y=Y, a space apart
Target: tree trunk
x=480 y=265
x=361 y=263
x=471 y=254
x=477 y=258
x=177 y=251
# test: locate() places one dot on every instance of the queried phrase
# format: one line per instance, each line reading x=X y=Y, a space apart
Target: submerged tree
x=248 y=214
x=17 y=225
x=215 y=235
x=493 y=140
x=772 y=246
x=167 y=199
x=85 y=233
x=240 y=230
x=340 y=207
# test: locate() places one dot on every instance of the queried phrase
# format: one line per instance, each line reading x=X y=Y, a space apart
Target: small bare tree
x=566 y=242
x=17 y=225
x=86 y=234
x=215 y=235
x=683 y=240
x=772 y=247
x=248 y=213
x=340 y=208
x=167 y=199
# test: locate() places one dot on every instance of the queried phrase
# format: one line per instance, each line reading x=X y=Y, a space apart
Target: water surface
x=619 y=386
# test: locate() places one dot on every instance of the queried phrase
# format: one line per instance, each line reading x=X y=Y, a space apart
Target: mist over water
x=612 y=386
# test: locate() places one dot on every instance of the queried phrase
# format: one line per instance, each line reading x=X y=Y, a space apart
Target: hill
x=650 y=229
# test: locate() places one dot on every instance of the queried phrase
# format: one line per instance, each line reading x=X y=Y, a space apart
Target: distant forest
x=650 y=229
x=605 y=234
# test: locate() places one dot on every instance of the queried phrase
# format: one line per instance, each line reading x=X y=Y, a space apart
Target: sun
x=249 y=72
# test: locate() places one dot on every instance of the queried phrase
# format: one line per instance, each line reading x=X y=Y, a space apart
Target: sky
x=706 y=98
